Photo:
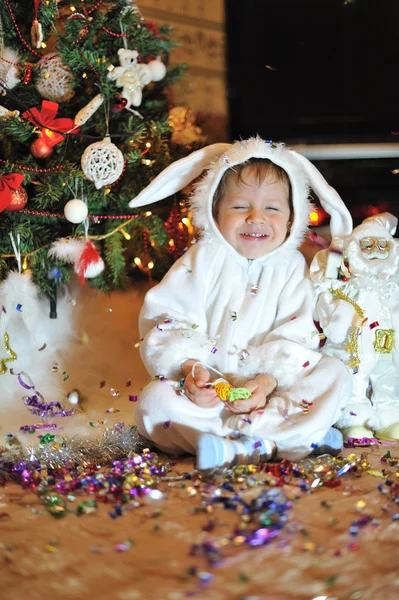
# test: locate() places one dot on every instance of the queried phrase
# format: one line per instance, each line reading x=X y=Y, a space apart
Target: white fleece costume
x=241 y=317
x=371 y=282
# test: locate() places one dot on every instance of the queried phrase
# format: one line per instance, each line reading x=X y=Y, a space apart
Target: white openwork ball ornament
x=102 y=163
x=55 y=79
x=75 y=211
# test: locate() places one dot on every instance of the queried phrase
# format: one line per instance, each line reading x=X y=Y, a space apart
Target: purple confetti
x=167 y=424
x=133 y=398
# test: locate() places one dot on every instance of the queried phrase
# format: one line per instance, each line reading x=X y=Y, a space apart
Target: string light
x=148 y=213
x=150 y=264
x=126 y=235
x=314 y=217
x=25 y=263
x=137 y=261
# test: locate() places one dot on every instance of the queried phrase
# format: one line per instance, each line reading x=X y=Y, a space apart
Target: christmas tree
x=84 y=126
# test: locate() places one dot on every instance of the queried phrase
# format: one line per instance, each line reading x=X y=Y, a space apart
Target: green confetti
x=47 y=439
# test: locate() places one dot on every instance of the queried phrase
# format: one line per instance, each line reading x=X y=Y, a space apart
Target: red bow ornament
x=51 y=127
x=9 y=182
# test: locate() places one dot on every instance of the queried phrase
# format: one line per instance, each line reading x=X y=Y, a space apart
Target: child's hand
x=261 y=387
x=194 y=387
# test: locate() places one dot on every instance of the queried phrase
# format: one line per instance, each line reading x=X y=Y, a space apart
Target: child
x=238 y=304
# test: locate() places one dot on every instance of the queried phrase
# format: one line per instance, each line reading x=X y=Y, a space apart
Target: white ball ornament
x=158 y=70
x=75 y=211
x=55 y=79
x=102 y=163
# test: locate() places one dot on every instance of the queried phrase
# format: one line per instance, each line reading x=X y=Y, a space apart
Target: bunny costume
x=240 y=317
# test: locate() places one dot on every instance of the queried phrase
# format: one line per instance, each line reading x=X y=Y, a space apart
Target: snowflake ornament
x=102 y=163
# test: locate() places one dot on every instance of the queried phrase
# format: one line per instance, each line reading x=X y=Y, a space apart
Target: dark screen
x=313 y=71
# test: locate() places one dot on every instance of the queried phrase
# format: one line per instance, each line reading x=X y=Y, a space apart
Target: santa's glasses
x=370 y=244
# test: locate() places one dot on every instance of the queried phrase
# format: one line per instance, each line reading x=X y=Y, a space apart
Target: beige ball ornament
x=55 y=79
x=76 y=211
x=102 y=163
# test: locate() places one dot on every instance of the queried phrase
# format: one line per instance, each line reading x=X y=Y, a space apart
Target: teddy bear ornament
x=357 y=306
x=132 y=76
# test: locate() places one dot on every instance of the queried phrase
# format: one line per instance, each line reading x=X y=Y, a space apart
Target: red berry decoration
x=40 y=148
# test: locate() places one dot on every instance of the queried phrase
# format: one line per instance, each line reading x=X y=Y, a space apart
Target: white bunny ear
x=386 y=219
x=341 y=223
x=177 y=175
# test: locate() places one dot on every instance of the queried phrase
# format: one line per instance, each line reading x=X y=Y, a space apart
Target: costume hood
x=217 y=158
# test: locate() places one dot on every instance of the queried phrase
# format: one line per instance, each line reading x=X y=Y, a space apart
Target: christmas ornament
x=8 y=69
x=82 y=253
x=102 y=163
x=158 y=69
x=184 y=129
x=178 y=232
x=19 y=198
x=9 y=184
x=55 y=79
x=132 y=76
x=51 y=127
x=75 y=211
x=40 y=148
x=36 y=32
x=119 y=105
x=6 y=114
x=87 y=111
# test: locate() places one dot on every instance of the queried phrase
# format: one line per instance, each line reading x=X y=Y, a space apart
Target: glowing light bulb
x=186 y=221
x=171 y=242
x=148 y=145
x=126 y=235
x=137 y=261
x=25 y=264
x=148 y=213
x=314 y=217
x=150 y=265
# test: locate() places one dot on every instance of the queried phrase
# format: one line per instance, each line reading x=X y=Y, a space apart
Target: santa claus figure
x=357 y=306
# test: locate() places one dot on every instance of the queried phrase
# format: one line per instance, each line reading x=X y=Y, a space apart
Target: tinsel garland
x=70 y=452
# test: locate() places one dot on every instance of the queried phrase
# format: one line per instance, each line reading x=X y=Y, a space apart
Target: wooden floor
x=186 y=540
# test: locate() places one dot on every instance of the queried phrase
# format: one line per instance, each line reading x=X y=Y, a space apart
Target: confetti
x=42 y=348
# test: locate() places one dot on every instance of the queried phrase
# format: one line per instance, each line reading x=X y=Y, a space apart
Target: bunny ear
x=177 y=175
x=386 y=219
x=341 y=223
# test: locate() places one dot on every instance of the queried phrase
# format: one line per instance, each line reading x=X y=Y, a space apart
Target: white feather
x=68 y=250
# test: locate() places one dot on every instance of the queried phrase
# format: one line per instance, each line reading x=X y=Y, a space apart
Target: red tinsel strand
x=35 y=213
x=19 y=32
x=31 y=169
x=81 y=35
x=117 y=35
x=147 y=254
x=95 y=7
